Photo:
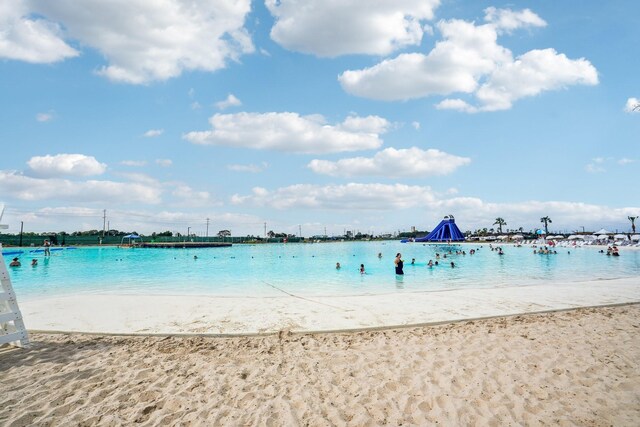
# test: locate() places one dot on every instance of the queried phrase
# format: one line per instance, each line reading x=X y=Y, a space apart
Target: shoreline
x=574 y=367
x=232 y=315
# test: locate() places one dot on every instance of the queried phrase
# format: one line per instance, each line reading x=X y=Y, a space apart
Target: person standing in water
x=399 y=263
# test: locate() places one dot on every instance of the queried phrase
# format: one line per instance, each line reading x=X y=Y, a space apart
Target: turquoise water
x=304 y=269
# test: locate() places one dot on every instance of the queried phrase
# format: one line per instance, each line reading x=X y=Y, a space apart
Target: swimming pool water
x=304 y=269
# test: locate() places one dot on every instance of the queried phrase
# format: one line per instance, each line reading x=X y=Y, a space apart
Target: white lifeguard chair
x=12 y=330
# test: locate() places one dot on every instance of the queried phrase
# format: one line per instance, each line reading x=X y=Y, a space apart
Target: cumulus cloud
x=411 y=162
x=632 y=105
x=165 y=163
x=508 y=20
x=148 y=41
x=231 y=101
x=332 y=28
x=532 y=73
x=66 y=165
x=152 y=133
x=469 y=60
x=28 y=188
x=30 y=39
x=251 y=168
x=339 y=197
x=290 y=132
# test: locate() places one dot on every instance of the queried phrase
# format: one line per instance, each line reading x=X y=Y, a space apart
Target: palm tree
x=499 y=222
x=546 y=221
x=633 y=221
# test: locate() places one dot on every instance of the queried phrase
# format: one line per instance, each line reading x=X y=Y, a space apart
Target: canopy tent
x=602 y=231
x=132 y=236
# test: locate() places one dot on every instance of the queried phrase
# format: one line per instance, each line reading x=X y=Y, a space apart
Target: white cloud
x=411 y=162
x=251 y=168
x=339 y=197
x=632 y=105
x=29 y=39
x=469 y=60
x=190 y=197
x=152 y=133
x=147 y=41
x=165 y=163
x=44 y=117
x=532 y=73
x=29 y=188
x=333 y=28
x=65 y=165
x=231 y=101
x=625 y=161
x=508 y=20
x=136 y=163
x=594 y=168
x=292 y=133
x=416 y=125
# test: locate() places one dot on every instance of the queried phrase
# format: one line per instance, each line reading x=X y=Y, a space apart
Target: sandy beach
x=576 y=367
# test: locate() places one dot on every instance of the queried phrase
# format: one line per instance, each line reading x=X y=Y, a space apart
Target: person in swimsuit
x=399 y=264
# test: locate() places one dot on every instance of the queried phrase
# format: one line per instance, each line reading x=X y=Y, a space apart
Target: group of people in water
x=15 y=262
x=398 y=262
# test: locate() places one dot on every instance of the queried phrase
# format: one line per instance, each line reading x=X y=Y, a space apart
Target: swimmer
x=337 y=266
x=34 y=262
x=379 y=254
x=362 y=269
x=15 y=262
x=452 y=264
x=430 y=263
x=195 y=257
x=413 y=261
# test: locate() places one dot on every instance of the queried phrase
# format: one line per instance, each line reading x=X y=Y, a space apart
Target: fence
x=68 y=240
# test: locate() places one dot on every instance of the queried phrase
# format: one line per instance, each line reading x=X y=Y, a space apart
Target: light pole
x=188 y=231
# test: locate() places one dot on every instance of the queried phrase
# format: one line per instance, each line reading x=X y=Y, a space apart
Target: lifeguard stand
x=12 y=330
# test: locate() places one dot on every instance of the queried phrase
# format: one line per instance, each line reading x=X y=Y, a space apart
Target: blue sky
x=313 y=115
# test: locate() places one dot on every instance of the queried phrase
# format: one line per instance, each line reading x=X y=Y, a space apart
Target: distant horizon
x=333 y=116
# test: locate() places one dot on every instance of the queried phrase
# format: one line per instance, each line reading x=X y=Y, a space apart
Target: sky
x=318 y=116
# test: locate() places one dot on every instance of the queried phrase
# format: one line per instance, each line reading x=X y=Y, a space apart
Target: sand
x=577 y=367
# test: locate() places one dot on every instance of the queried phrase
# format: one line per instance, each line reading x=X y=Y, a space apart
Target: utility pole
x=21 y=226
x=104 y=221
x=207 y=228
x=300 y=231
x=265 y=229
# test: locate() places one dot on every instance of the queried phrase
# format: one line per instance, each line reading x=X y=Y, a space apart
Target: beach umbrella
x=517 y=237
x=575 y=237
x=635 y=237
x=620 y=237
x=590 y=237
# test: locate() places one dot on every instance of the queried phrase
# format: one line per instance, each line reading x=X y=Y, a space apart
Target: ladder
x=12 y=330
